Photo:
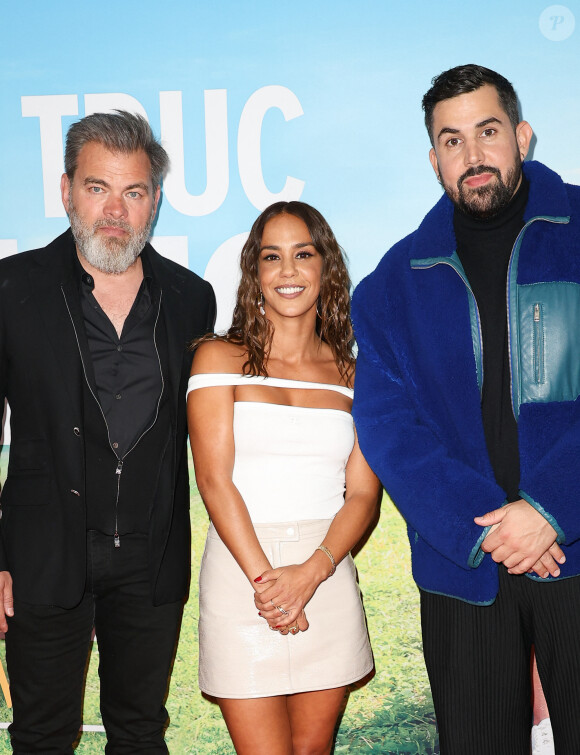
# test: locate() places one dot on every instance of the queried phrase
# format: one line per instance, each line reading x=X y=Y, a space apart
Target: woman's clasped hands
x=281 y=594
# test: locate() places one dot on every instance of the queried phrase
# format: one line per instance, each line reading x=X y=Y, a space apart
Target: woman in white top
x=282 y=629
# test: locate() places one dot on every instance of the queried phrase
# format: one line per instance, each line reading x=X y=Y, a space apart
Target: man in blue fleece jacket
x=466 y=406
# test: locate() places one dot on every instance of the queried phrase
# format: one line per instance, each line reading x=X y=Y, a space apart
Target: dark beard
x=486 y=201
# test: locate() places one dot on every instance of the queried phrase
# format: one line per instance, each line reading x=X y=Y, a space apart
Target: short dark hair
x=118 y=131
x=465 y=79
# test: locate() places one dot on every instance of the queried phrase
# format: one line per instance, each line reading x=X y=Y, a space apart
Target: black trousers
x=47 y=647
x=478 y=661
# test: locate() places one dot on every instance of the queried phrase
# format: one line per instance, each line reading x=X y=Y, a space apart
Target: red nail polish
x=258 y=579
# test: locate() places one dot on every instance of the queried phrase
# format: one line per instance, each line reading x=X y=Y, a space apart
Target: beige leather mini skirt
x=241 y=657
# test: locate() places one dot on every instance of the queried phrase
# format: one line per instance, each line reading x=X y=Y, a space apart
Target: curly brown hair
x=252 y=330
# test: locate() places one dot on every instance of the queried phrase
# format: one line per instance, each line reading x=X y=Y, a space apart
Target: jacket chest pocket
x=549 y=342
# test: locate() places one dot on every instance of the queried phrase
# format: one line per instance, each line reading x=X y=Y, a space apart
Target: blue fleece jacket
x=417 y=403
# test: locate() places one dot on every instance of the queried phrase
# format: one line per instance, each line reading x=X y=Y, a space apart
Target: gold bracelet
x=324 y=549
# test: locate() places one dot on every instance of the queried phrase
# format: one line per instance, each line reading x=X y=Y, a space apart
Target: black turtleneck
x=484 y=247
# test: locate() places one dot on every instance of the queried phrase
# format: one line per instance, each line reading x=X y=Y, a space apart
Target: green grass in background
x=391 y=714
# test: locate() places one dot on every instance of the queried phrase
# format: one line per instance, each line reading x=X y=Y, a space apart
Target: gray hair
x=118 y=131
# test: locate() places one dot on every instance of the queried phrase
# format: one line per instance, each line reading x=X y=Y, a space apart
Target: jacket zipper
x=538 y=344
x=120 y=460
x=116 y=538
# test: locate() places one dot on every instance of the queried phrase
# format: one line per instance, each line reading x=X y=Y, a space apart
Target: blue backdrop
x=257 y=101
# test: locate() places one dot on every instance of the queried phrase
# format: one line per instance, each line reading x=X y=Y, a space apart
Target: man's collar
x=548 y=196
x=146 y=262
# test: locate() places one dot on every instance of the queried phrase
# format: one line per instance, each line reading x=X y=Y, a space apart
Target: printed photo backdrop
x=257 y=102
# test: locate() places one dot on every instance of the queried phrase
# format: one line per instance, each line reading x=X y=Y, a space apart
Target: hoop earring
x=261 y=303
x=317 y=310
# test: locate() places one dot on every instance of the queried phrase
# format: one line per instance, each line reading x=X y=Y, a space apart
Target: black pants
x=478 y=661
x=47 y=647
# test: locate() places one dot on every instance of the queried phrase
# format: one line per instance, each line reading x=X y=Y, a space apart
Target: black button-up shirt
x=126 y=368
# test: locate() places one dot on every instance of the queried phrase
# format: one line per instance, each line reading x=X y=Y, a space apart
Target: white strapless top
x=289 y=461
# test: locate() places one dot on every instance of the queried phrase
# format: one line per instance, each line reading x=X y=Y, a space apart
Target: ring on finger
x=282 y=611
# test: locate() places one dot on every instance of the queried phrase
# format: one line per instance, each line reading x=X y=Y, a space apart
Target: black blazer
x=43 y=525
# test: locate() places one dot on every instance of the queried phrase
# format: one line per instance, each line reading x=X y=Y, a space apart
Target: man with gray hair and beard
x=94 y=363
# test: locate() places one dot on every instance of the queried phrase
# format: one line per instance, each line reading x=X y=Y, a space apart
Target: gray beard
x=110 y=255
